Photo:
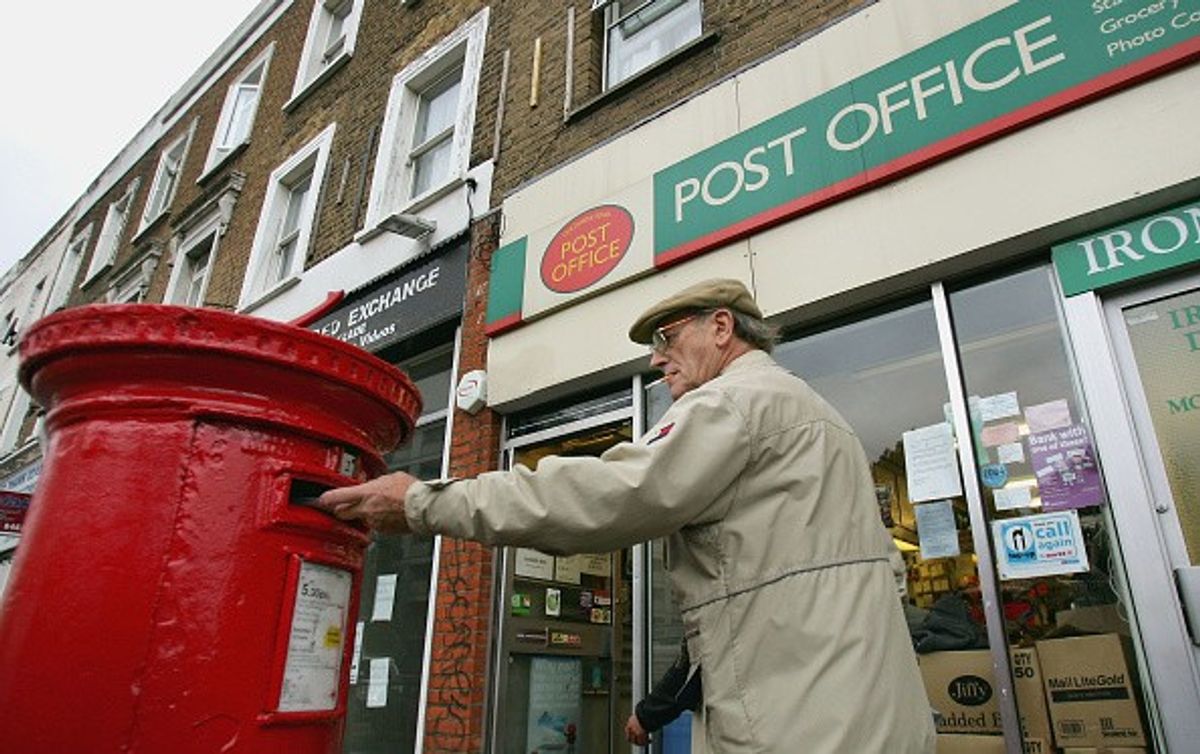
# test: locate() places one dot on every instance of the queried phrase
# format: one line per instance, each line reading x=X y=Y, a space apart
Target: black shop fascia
x=409 y=300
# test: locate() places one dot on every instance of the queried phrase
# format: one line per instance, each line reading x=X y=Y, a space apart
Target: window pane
x=648 y=34
x=431 y=376
x=437 y=108
x=241 y=115
x=1037 y=469
x=397 y=572
x=295 y=205
x=432 y=167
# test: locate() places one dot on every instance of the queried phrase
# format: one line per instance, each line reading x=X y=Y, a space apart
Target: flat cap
x=709 y=294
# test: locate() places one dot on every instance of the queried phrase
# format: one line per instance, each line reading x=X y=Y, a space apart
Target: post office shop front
x=992 y=271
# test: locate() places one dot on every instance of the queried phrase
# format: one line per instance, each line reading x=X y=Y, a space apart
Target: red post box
x=172 y=592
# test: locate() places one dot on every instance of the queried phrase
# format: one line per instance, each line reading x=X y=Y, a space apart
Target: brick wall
x=459 y=666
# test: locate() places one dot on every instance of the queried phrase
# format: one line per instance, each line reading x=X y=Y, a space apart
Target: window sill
x=95 y=276
x=215 y=168
x=272 y=292
x=144 y=231
x=302 y=92
x=614 y=93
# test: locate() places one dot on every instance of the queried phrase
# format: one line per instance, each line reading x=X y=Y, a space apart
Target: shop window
x=166 y=179
x=387 y=669
x=115 y=220
x=332 y=32
x=286 y=223
x=639 y=33
x=237 y=114
x=1058 y=567
x=426 y=141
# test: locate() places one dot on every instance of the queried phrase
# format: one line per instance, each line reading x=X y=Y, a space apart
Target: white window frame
x=183 y=271
x=312 y=158
x=132 y=284
x=69 y=267
x=391 y=186
x=115 y=220
x=613 y=18
x=166 y=178
x=224 y=143
x=328 y=44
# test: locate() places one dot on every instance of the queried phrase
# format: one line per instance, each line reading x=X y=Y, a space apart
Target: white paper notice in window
x=936 y=530
x=930 y=462
x=316 y=640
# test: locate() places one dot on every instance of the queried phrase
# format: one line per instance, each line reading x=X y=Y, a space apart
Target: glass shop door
x=1155 y=333
x=566 y=631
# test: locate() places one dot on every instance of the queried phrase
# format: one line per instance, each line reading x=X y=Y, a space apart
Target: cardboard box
x=1097 y=619
x=961 y=690
x=1031 y=696
x=954 y=743
x=1106 y=750
x=1091 y=693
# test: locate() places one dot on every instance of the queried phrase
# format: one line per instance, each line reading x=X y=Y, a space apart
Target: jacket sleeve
x=679 y=689
x=632 y=493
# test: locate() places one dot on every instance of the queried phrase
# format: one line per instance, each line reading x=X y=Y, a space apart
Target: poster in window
x=1065 y=465
x=1047 y=544
x=555 y=696
x=930 y=461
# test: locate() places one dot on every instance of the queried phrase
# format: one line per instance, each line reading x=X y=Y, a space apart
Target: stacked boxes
x=1092 y=698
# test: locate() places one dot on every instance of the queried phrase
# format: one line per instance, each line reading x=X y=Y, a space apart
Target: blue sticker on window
x=994 y=475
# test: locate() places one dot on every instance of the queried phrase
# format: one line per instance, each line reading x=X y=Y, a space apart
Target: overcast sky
x=80 y=79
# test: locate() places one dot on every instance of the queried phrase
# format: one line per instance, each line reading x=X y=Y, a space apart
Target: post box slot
x=305 y=493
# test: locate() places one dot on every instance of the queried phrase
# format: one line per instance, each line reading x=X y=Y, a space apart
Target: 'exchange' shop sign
x=1026 y=62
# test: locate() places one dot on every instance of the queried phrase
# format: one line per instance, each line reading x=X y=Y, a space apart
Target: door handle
x=1187 y=582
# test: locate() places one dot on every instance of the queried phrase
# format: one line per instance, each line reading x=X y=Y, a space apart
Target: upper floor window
x=330 y=41
x=193 y=261
x=639 y=33
x=285 y=225
x=133 y=282
x=241 y=105
x=110 y=233
x=166 y=179
x=426 y=140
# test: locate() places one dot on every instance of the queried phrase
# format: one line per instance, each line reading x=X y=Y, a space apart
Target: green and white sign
x=1152 y=244
x=1026 y=62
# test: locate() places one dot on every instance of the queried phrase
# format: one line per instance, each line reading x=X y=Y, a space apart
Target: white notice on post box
x=316 y=640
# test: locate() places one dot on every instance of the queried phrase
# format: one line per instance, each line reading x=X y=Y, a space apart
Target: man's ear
x=724 y=322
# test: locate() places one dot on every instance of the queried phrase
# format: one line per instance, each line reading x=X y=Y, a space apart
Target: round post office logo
x=587 y=248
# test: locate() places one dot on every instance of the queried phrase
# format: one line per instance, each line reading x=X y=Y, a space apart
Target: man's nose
x=657 y=360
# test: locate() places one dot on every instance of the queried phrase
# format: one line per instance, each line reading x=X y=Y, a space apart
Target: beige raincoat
x=776 y=555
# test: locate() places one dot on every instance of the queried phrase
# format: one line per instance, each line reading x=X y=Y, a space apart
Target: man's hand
x=635 y=733
x=378 y=503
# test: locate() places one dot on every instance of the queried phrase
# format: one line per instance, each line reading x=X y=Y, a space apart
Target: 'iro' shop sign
x=1029 y=61
x=1152 y=244
x=400 y=303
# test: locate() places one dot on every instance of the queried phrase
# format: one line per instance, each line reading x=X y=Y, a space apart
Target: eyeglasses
x=661 y=337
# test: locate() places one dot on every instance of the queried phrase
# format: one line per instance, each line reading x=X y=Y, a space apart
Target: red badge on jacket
x=663 y=431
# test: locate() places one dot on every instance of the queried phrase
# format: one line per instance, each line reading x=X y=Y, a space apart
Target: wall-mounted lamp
x=409 y=226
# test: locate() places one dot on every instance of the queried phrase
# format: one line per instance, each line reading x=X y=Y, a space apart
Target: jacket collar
x=749 y=360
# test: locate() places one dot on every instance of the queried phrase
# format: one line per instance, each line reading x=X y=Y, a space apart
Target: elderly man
x=776 y=553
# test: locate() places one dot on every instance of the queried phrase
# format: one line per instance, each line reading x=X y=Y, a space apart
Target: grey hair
x=755 y=331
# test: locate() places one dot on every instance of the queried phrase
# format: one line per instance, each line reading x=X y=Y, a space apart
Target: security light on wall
x=409 y=226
